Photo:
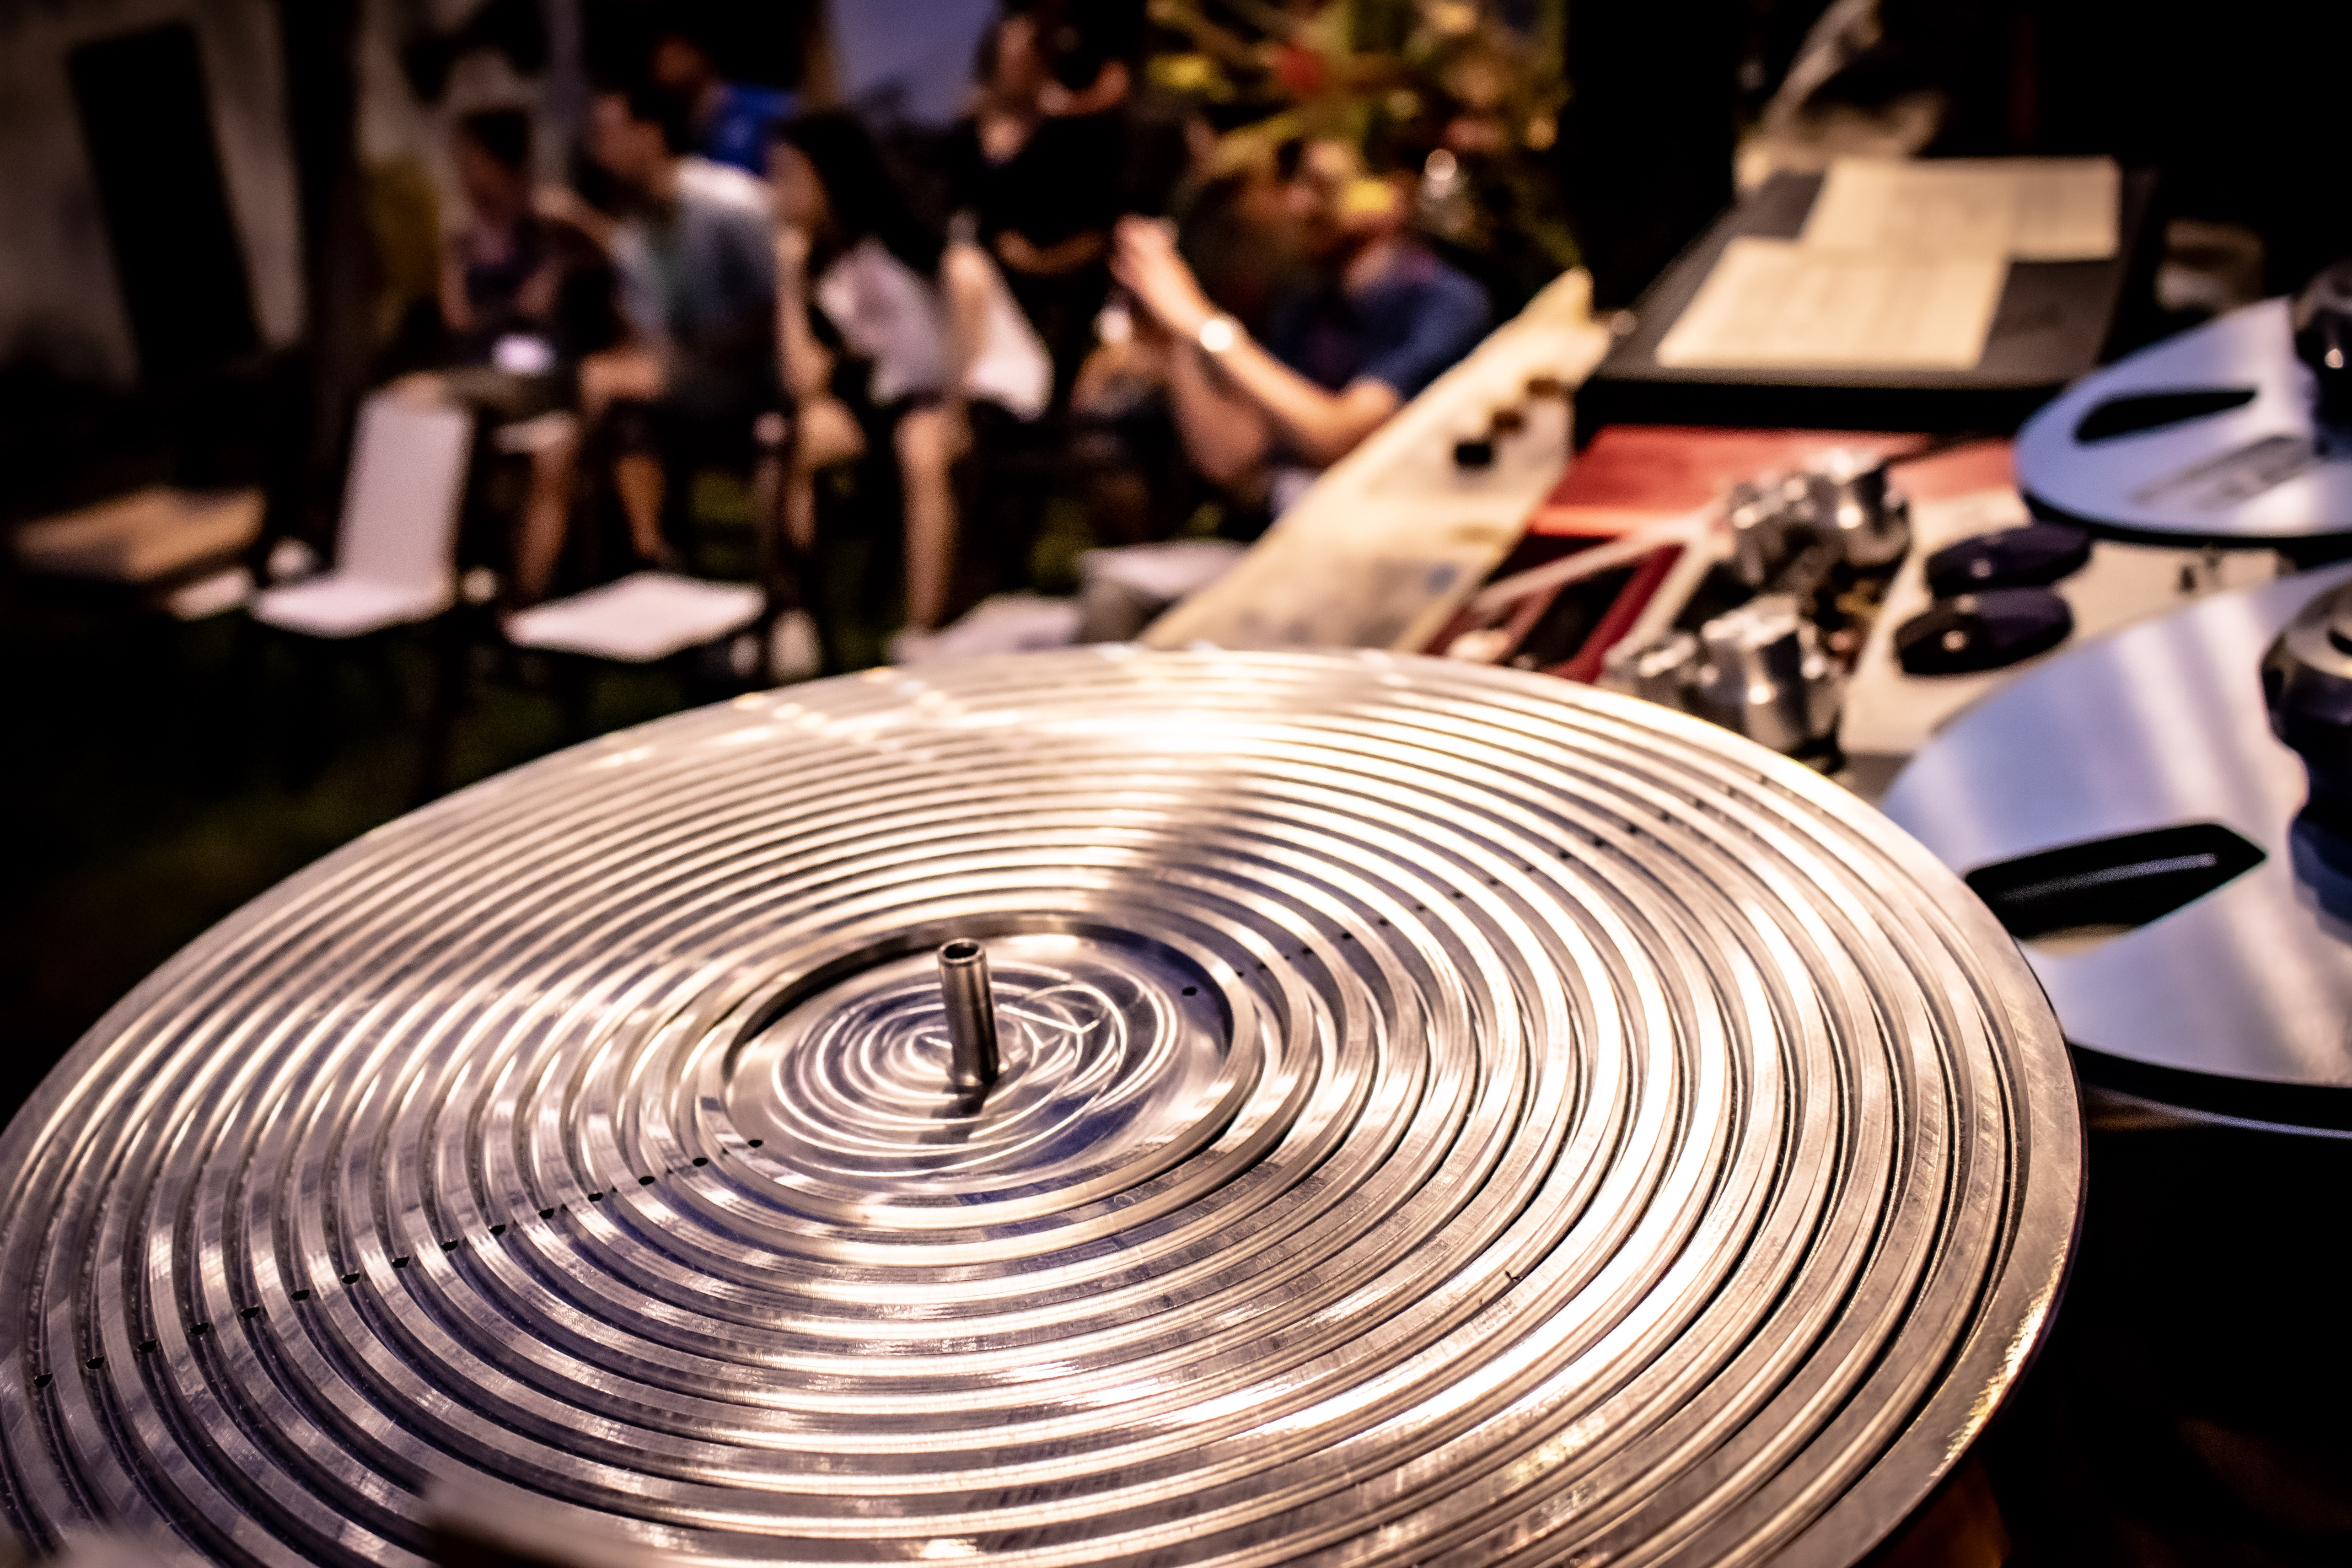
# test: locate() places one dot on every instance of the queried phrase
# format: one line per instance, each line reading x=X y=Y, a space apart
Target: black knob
x=1474 y=452
x=2307 y=686
x=2322 y=339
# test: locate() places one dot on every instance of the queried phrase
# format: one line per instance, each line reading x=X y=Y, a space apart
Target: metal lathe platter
x=1447 y=1116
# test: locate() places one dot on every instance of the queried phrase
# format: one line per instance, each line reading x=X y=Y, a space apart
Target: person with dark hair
x=884 y=330
x=498 y=273
x=694 y=263
x=1042 y=188
x=1380 y=319
x=504 y=275
x=1092 y=51
x=503 y=133
x=731 y=120
x=861 y=198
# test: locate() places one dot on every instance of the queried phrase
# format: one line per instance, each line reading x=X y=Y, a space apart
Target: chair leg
x=240 y=726
x=785 y=577
x=784 y=568
x=451 y=648
x=309 y=727
x=570 y=678
x=375 y=654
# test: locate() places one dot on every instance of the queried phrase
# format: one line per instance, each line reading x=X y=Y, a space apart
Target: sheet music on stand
x=1900 y=265
x=1781 y=303
x=2018 y=209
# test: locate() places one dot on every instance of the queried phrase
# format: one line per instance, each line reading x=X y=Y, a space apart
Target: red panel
x=1636 y=474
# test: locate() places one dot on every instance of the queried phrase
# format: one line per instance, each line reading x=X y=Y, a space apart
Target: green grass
x=158 y=774
x=158 y=778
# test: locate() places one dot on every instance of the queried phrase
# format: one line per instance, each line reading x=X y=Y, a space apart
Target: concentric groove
x=1447 y=1117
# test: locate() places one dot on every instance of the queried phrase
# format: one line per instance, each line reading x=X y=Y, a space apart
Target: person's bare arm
x=638 y=369
x=968 y=283
x=1019 y=254
x=803 y=363
x=827 y=432
x=457 y=311
x=1322 y=426
x=535 y=300
x=561 y=204
x=1226 y=435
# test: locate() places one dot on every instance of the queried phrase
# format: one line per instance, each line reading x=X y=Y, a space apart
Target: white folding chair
x=640 y=619
x=395 y=548
x=643 y=619
x=395 y=554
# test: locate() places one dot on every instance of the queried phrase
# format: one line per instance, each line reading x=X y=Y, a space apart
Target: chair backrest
x=401 y=502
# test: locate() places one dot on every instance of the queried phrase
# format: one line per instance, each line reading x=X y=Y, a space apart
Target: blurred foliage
x=403 y=218
x=1464 y=96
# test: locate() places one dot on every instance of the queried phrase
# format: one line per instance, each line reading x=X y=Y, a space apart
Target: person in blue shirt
x=1381 y=318
x=732 y=120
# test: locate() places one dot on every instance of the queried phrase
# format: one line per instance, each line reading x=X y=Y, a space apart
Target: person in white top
x=916 y=327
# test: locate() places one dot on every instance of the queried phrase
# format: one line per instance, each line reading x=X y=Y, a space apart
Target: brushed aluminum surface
x=2156 y=726
x=1445 y=1115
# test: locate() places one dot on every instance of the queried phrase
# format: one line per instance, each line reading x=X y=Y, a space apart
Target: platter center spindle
x=971 y=1004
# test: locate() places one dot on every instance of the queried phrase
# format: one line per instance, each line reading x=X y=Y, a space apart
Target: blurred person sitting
x=1382 y=318
x=500 y=271
x=693 y=252
x=1239 y=239
x=504 y=273
x=883 y=332
x=730 y=119
x=1039 y=168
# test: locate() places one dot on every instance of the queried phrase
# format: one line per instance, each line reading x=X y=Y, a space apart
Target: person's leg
x=828 y=433
x=627 y=442
x=637 y=475
x=800 y=506
x=546 y=509
x=771 y=486
x=929 y=441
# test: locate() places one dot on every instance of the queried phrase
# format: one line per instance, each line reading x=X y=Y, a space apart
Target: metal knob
x=1854 y=506
x=1758 y=532
x=1766 y=676
x=2307 y=687
x=1662 y=672
x=2323 y=340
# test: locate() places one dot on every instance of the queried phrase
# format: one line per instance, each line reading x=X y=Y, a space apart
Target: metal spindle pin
x=971 y=1013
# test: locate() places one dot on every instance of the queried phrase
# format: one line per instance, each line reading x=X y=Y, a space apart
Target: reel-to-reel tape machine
x=2151 y=812
x=2233 y=432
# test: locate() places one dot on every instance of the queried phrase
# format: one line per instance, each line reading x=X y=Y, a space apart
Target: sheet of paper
x=2068 y=210
x=2026 y=209
x=1780 y=304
